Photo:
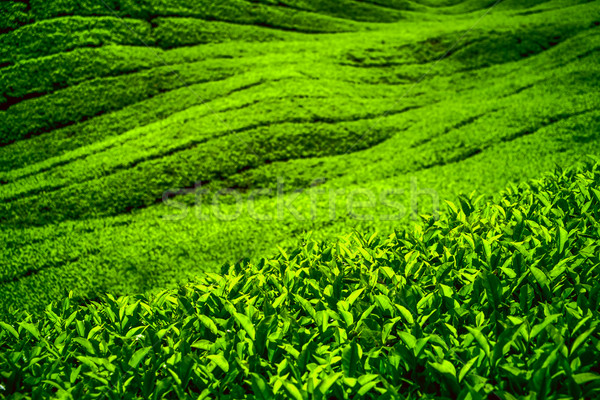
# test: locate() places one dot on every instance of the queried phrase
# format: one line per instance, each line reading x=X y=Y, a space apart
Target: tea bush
x=493 y=299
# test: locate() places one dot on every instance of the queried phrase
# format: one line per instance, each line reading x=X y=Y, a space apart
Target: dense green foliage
x=102 y=117
x=494 y=299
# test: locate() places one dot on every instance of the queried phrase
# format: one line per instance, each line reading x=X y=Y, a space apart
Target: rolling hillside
x=112 y=112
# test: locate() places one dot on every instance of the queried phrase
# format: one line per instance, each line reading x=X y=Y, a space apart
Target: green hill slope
x=107 y=108
x=495 y=300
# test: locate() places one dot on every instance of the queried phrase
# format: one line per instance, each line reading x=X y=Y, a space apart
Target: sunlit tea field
x=299 y=199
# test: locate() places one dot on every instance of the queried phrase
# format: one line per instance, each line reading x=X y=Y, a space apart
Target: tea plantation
x=221 y=199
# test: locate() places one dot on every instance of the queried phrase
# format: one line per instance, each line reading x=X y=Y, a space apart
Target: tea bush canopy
x=496 y=299
x=107 y=109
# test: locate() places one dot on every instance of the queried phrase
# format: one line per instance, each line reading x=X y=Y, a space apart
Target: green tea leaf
x=329 y=381
x=350 y=359
x=466 y=368
x=86 y=344
x=445 y=367
x=292 y=390
x=481 y=339
x=247 y=324
x=220 y=360
x=9 y=329
x=208 y=323
x=260 y=387
x=540 y=327
x=31 y=329
x=138 y=356
x=562 y=236
x=581 y=339
x=384 y=303
x=585 y=377
x=407 y=315
x=354 y=295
